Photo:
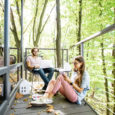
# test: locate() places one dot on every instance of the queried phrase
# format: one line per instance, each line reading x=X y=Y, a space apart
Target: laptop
x=46 y=64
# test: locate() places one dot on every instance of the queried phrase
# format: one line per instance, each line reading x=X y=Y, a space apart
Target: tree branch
x=36 y=12
x=14 y=29
x=18 y=11
x=47 y=19
x=40 y=23
x=28 y=25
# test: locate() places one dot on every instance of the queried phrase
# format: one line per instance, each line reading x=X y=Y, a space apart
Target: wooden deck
x=60 y=103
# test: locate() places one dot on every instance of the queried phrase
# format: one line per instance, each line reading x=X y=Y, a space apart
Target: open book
x=66 y=68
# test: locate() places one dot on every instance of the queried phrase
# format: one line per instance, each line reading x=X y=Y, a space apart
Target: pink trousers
x=63 y=87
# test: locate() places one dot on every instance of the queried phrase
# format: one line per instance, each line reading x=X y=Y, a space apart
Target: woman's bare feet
x=50 y=95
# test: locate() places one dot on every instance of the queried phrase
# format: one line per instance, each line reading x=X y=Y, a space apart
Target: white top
x=39 y=62
x=85 y=84
x=34 y=61
x=73 y=76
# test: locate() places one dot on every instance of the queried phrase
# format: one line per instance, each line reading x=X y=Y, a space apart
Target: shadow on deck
x=19 y=107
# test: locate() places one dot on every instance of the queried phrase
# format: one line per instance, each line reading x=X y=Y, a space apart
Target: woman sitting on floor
x=75 y=89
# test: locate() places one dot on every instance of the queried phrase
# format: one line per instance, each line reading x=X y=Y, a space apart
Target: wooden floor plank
x=60 y=103
x=86 y=113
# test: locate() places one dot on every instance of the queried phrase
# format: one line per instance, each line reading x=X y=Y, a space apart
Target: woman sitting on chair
x=76 y=88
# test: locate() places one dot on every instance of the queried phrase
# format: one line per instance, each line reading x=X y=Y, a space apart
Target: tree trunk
x=113 y=71
x=58 y=37
x=36 y=12
x=14 y=29
x=80 y=22
x=106 y=81
x=18 y=11
x=40 y=24
x=47 y=19
x=1 y=37
x=104 y=66
x=1 y=51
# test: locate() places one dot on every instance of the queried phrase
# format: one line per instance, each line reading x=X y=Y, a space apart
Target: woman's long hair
x=80 y=71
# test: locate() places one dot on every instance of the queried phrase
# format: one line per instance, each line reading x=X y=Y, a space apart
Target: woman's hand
x=66 y=78
x=76 y=87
